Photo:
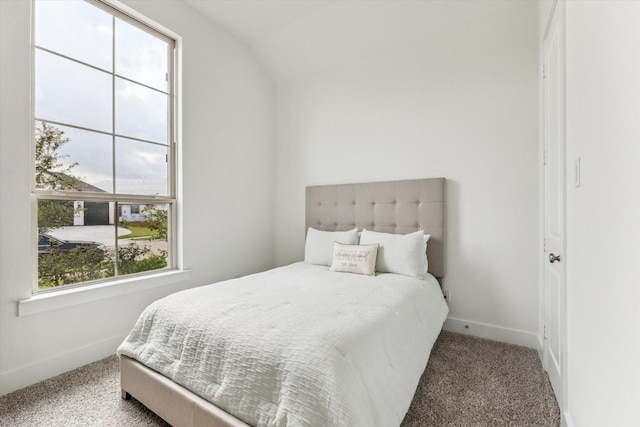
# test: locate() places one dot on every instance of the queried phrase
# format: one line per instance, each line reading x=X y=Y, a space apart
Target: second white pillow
x=399 y=253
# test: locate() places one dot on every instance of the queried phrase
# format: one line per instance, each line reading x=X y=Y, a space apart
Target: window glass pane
x=72 y=93
x=141 y=56
x=141 y=168
x=145 y=245
x=76 y=242
x=76 y=29
x=141 y=112
x=73 y=159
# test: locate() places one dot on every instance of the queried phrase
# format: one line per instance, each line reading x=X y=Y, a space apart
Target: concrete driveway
x=93 y=233
x=105 y=234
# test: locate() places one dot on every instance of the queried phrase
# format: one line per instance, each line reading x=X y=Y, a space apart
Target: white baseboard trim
x=540 y=347
x=492 y=332
x=566 y=420
x=35 y=372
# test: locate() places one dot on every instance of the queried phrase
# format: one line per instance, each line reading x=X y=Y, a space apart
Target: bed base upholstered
x=172 y=402
x=392 y=207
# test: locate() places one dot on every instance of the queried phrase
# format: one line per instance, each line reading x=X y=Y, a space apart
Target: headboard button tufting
x=356 y=206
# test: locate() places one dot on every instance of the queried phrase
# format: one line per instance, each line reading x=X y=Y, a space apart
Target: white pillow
x=360 y=259
x=399 y=253
x=426 y=236
x=318 y=249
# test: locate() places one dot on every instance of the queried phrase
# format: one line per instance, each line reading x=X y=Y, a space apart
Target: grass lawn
x=139 y=233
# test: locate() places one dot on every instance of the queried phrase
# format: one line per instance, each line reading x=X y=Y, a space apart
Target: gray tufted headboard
x=390 y=207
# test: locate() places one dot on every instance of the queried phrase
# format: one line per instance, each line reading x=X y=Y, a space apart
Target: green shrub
x=89 y=263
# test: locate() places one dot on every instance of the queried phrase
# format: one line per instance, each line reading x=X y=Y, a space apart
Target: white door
x=554 y=199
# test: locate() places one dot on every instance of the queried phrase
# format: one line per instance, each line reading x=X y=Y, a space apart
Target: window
x=104 y=186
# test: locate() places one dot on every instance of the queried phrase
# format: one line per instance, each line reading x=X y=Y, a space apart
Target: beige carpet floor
x=468 y=382
x=475 y=382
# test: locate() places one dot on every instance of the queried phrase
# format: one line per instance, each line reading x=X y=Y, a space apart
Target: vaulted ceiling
x=296 y=37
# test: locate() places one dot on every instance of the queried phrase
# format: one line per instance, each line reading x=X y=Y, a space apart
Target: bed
x=300 y=345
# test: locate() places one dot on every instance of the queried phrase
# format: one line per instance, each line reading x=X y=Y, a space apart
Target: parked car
x=48 y=243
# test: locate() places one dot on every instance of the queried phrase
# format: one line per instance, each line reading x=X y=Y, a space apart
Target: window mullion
x=113 y=103
x=117 y=135
x=68 y=58
x=113 y=139
x=122 y=198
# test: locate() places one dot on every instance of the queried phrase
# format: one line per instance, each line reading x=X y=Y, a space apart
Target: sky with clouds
x=77 y=94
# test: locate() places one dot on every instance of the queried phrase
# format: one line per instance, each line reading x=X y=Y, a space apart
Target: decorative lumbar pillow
x=399 y=253
x=318 y=248
x=360 y=259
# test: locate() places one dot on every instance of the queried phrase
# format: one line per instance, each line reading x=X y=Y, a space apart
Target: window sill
x=76 y=296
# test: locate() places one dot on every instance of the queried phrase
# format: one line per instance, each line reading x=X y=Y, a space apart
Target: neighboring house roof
x=150 y=187
x=76 y=183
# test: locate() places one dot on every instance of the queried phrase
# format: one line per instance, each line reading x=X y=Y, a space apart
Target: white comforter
x=298 y=345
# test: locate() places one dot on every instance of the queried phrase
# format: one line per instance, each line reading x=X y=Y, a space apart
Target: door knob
x=553 y=258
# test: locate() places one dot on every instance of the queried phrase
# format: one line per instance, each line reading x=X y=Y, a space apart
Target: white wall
x=461 y=103
x=603 y=234
x=228 y=165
